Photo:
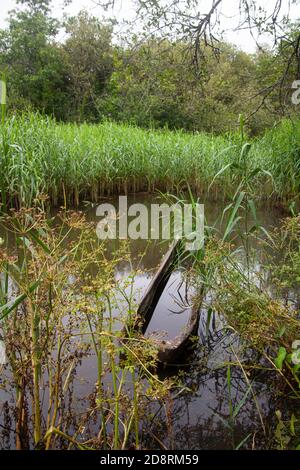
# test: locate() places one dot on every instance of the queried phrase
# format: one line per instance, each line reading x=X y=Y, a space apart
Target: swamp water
x=198 y=415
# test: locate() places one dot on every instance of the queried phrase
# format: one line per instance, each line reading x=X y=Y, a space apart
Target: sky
x=125 y=9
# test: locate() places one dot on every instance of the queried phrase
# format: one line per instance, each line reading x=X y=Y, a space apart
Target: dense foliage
x=83 y=75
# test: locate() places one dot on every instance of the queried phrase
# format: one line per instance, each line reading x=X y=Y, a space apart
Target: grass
x=70 y=163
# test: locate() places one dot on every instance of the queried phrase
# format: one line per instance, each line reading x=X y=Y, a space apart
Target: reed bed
x=70 y=163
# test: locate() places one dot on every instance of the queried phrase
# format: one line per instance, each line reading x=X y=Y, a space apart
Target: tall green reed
x=70 y=163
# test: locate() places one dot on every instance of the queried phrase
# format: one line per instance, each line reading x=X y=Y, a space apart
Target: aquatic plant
x=57 y=298
x=253 y=294
x=70 y=163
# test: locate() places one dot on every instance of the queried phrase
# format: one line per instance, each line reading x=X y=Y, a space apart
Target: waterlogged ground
x=198 y=415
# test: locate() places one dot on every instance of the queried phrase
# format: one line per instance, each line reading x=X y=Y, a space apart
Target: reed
x=70 y=163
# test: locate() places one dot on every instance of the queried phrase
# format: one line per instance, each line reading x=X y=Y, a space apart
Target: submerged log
x=157 y=286
x=168 y=350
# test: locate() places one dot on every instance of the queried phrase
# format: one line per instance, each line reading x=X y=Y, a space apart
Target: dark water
x=199 y=416
x=173 y=309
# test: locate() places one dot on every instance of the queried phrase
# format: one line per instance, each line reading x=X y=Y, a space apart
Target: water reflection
x=199 y=418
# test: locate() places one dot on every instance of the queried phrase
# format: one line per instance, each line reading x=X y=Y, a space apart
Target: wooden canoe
x=168 y=350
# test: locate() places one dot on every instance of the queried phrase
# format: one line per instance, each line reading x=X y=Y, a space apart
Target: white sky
x=242 y=39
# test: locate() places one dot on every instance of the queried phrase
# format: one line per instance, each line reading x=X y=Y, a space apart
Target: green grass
x=84 y=162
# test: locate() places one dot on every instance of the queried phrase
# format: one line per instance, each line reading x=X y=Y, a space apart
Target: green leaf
x=253 y=210
x=232 y=219
x=280 y=357
x=245 y=149
x=218 y=174
x=39 y=242
x=243 y=442
x=13 y=304
x=241 y=403
x=265 y=231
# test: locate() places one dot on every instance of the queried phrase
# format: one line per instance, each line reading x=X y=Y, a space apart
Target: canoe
x=168 y=350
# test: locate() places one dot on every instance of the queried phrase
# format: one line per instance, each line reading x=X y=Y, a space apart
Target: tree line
x=74 y=71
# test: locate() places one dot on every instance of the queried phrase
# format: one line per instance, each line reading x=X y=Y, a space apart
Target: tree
x=199 y=24
x=32 y=60
x=153 y=85
x=88 y=55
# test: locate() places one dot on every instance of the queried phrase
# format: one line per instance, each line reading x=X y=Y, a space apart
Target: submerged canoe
x=168 y=349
